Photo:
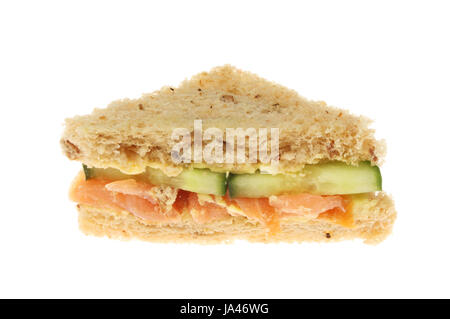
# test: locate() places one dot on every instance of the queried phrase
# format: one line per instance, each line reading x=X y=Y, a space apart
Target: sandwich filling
x=319 y=192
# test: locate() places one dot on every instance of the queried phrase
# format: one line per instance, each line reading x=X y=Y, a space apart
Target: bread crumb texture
x=373 y=223
x=131 y=134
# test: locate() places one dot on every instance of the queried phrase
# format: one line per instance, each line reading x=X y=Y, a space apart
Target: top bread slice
x=131 y=134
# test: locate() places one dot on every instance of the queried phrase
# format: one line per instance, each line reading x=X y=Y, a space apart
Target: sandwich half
x=319 y=179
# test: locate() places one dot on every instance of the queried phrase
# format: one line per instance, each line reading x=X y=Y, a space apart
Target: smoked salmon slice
x=136 y=198
x=306 y=204
x=269 y=210
x=335 y=209
x=340 y=216
x=92 y=192
x=205 y=212
x=259 y=209
x=95 y=192
x=131 y=187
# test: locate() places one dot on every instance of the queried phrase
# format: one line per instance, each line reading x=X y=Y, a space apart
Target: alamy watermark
x=209 y=146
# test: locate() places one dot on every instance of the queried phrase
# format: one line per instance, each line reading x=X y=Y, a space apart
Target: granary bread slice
x=132 y=134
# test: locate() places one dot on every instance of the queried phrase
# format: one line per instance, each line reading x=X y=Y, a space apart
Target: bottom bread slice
x=373 y=222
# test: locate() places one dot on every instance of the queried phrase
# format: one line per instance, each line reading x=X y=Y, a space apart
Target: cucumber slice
x=201 y=181
x=108 y=173
x=331 y=178
x=196 y=180
x=261 y=185
x=340 y=178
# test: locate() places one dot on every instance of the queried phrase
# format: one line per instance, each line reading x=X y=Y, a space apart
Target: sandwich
x=227 y=156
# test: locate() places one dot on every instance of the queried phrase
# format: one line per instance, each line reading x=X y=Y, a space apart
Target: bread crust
x=133 y=134
x=373 y=222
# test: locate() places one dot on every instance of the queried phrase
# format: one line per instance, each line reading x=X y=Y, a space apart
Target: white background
x=388 y=60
